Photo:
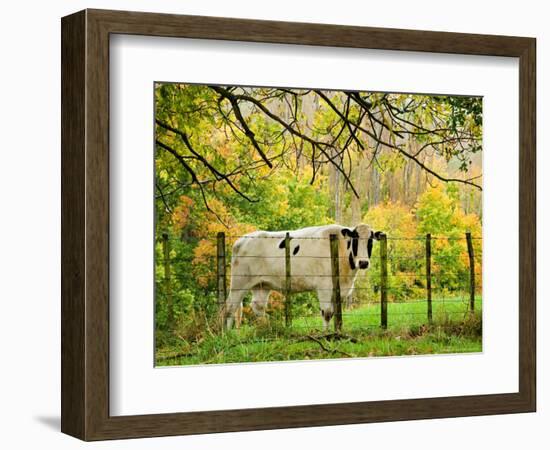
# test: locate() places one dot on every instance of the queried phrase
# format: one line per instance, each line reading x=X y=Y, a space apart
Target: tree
x=438 y=212
x=227 y=134
x=237 y=159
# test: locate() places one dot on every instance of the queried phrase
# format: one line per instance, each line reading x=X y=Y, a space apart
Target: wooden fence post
x=429 y=275
x=472 y=272
x=383 y=281
x=220 y=272
x=288 y=286
x=336 y=295
x=167 y=279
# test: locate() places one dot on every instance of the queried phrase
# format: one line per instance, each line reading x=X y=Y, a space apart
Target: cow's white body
x=258 y=265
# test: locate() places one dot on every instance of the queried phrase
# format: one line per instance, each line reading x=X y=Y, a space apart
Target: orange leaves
x=204 y=254
x=397 y=221
x=225 y=151
x=203 y=261
x=180 y=216
x=393 y=218
x=204 y=251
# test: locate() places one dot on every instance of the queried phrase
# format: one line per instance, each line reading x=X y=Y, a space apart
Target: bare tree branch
x=292 y=130
x=359 y=119
x=238 y=114
x=203 y=160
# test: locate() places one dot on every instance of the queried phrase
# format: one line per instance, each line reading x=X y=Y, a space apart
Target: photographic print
x=306 y=224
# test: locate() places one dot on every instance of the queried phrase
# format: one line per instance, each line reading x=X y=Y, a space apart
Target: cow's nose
x=363 y=264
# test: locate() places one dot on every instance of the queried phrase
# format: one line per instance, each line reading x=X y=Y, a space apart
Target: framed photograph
x=272 y=225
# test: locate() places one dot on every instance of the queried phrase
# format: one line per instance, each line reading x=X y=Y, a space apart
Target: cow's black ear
x=346 y=232
x=378 y=235
x=282 y=244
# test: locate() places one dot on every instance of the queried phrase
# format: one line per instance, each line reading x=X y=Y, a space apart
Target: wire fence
x=418 y=284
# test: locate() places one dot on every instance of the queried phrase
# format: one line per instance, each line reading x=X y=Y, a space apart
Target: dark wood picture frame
x=85 y=224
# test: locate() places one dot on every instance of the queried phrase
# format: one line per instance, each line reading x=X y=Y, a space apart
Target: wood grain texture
x=85 y=224
x=527 y=224
x=73 y=108
x=171 y=25
x=97 y=225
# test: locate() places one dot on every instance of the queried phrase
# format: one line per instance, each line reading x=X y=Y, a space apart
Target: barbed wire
x=293 y=257
x=354 y=325
x=448 y=301
x=420 y=275
x=390 y=289
x=394 y=304
x=282 y=237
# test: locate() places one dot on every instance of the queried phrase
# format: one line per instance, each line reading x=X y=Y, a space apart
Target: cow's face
x=359 y=245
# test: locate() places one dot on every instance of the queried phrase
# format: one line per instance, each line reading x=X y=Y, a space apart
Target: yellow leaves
x=436 y=195
x=203 y=258
x=204 y=254
x=225 y=151
x=397 y=221
x=180 y=216
x=162 y=175
x=228 y=224
x=204 y=250
x=392 y=217
x=471 y=223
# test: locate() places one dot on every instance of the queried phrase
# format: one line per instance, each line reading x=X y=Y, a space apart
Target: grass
x=454 y=330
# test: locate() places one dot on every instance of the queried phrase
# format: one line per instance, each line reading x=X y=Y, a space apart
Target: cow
x=258 y=265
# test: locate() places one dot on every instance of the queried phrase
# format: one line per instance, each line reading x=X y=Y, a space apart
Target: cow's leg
x=349 y=301
x=233 y=306
x=238 y=316
x=327 y=310
x=260 y=298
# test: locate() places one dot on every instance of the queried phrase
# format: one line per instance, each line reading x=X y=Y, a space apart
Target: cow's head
x=359 y=245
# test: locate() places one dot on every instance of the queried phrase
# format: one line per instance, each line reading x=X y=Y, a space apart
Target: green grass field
x=454 y=330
